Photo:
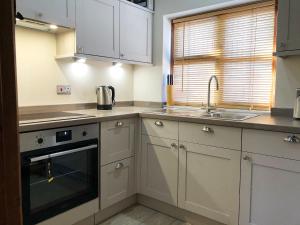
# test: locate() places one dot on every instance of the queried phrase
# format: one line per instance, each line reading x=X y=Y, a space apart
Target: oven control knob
x=84 y=133
x=40 y=140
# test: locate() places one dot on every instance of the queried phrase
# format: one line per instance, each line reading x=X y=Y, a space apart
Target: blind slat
x=237 y=47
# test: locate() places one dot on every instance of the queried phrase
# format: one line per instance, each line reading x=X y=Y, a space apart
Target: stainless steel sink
x=230 y=116
x=201 y=113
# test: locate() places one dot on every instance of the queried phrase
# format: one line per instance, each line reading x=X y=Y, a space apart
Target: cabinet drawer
x=218 y=136
x=271 y=143
x=117 y=140
x=160 y=128
x=117 y=181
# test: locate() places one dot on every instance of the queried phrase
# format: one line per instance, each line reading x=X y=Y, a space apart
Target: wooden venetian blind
x=236 y=45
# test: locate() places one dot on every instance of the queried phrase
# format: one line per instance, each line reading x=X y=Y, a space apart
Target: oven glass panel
x=58 y=183
x=55 y=179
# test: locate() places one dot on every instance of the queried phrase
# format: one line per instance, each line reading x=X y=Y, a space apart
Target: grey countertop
x=96 y=116
x=263 y=122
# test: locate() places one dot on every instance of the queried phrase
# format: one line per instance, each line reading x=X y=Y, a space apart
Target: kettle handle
x=113 y=94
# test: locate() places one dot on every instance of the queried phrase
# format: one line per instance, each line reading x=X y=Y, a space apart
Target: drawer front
x=117 y=140
x=117 y=182
x=160 y=128
x=218 y=136
x=272 y=143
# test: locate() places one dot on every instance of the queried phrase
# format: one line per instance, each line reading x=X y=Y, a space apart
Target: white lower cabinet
x=270 y=190
x=159 y=172
x=209 y=182
x=117 y=182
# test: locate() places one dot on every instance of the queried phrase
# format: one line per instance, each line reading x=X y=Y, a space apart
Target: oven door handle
x=39 y=158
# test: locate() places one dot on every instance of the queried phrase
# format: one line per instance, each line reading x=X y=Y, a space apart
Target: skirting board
x=174 y=211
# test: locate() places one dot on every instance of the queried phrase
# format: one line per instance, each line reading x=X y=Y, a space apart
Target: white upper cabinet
x=288 y=33
x=135 y=33
x=97 y=28
x=59 y=12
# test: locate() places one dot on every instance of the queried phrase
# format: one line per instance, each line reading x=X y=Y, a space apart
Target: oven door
x=57 y=179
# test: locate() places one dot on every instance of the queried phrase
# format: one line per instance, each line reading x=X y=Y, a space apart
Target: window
x=237 y=46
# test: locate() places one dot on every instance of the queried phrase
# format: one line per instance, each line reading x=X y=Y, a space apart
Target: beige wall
x=288 y=70
x=38 y=73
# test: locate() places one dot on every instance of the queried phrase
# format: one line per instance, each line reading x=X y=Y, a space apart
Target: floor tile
x=159 y=219
x=178 y=222
x=132 y=216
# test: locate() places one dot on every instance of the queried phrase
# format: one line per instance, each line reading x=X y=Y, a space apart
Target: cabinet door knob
x=122 y=55
x=159 y=123
x=207 y=129
x=247 y=158
x=174 y=145
x=292 y=139
x=119 y=166
x=119 y=124
x=80 y=49
x=182 y=146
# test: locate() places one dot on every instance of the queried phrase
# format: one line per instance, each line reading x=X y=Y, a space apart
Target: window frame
x=235 y=9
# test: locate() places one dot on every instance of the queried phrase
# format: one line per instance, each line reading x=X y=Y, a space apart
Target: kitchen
x=165 y=112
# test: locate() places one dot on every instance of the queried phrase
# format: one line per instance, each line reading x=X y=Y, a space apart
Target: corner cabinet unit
x=159 y=172
x=97 y=28
x=135 y=33
x=58 y=12
x=288 y=31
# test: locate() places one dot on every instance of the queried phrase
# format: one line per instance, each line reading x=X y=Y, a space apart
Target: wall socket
x=63 y=89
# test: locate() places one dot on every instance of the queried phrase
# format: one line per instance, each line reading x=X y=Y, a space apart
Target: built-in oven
x=59 y=170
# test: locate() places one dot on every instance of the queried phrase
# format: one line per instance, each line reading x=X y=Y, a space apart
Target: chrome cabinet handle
x=119 y=166
x=119 y=124
x=174 y=145
x=292 y=139
x=80 y=49
x=159 y=123
x=181 y=146
x=247 y=158
x=207 y=129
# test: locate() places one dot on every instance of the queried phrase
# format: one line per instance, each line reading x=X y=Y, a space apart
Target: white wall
x=288 y=70
x=38 y=73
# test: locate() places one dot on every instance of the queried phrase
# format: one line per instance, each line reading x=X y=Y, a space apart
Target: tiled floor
x=140 y=215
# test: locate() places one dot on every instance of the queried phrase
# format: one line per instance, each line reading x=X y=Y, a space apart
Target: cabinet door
x=270 y=190
x=117 y=140
x=117 y=182
x=209 y=182
x=135 y=34
x=59 y=12
x=97 y=28
x=288 y=34
x=159 y=172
